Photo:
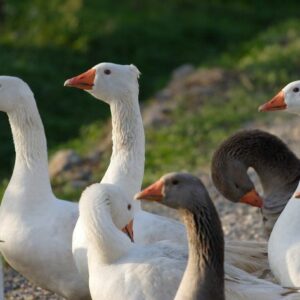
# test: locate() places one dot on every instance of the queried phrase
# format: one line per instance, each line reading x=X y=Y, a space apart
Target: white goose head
x=97 y=196
x=108 y=82
x=14 y=93
x=287 y=99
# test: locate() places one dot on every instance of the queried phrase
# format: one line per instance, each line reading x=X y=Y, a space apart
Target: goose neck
x=272 y=160
x=278 y=173
x=127 y=132
x=31 y=162
x=128 y=155
x=204 y=275
x=106 y=243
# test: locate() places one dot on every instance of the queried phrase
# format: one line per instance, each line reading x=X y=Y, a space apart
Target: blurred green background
x=46 y=42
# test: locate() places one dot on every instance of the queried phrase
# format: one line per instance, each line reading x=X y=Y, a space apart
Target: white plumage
x=119 y=88
x=35 y=226
x=284 y=242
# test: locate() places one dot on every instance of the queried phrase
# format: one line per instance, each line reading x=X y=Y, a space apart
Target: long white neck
x=1 y=281
x=30 y=177
x=106 y=243
x=126 y=167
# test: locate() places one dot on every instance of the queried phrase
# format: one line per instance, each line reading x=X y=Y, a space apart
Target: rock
x=94 y=157
x=156 y=115
x=186 y=83
x=83 y=174
x=79 y=184
x=164 y=95
x=182 y=71
x=63 y=160
x=18 y=288
x=200 y=82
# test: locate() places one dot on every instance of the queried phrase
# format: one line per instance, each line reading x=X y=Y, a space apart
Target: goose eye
x=107 y=71
x=236 y=185
x=129 y=206
x=296 y=90
x=175 y=181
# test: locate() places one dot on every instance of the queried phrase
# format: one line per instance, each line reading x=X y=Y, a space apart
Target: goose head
x=233 y=182
x=287 y=99
x=175 y=190
x=108 y=82
x=111 y=197
x=205 y=265
x=14 y=93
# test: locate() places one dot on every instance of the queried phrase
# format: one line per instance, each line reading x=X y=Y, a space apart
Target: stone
x=182 y=71
x=63 y=160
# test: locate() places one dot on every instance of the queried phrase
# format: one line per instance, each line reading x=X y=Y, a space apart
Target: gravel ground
x=239 y=221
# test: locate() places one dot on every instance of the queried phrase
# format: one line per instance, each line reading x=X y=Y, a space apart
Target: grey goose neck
x=276 y=165
x=204 y=275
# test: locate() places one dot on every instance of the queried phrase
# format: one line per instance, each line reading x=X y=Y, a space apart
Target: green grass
x=47 y=42
x=189 y=142
x=194 y=133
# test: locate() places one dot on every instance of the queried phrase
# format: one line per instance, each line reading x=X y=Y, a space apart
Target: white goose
x=284 y=242
x=119 y=269
x=117 y=85
x=1 y=281
x=35 y=226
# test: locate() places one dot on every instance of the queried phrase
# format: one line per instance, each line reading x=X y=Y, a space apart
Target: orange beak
x=128 y=229
x=84 y=81
x=297 y=195
x=252 y=198
x=152 y=192
x=276 y=103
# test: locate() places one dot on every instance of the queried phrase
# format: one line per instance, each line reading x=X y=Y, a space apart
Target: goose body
x=35 y=225
x=152 y=272
x=277 y=167
x=204 y=276
x=118 y=268
x=284 y=245
x=284 y=242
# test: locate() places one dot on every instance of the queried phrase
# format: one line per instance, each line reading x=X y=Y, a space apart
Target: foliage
x=268 y=62
x=45 y=42
x=274 y=58
x=188 y=143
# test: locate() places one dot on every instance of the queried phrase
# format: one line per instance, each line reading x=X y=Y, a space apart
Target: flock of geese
x=109 y=248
